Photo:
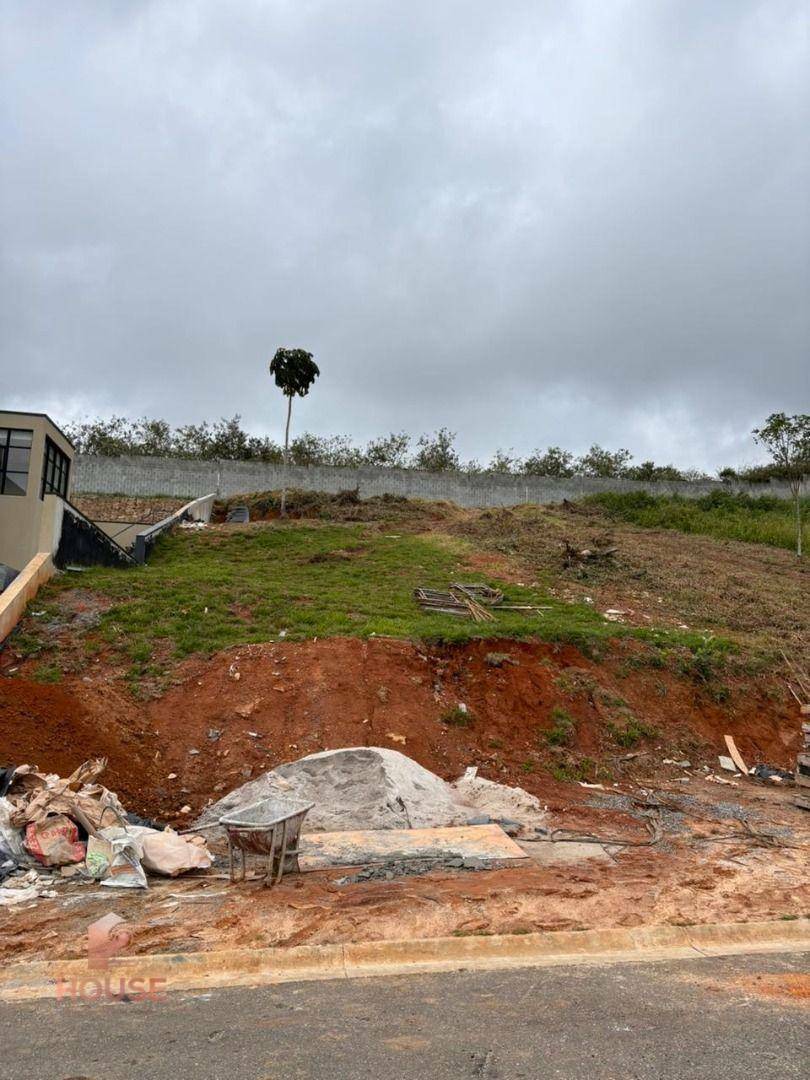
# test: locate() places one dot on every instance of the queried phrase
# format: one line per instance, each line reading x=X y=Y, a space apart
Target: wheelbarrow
x=268 y=829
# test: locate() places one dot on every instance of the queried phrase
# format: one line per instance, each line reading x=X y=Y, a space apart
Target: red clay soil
x=680 y=883
x=250 y=708
x=58 y=727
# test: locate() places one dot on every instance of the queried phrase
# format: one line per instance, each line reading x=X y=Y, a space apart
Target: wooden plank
x=735 y=755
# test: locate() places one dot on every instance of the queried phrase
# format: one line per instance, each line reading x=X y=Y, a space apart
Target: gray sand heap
x=377 y=788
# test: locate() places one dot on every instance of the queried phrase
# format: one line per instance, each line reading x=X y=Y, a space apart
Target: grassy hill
x=724 y=515
x=692 y=601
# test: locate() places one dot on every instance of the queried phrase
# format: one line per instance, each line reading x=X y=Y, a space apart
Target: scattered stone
x=498 y=659
x=398 y=868
x=246 y=710
x=214 y=734
x=510 y=827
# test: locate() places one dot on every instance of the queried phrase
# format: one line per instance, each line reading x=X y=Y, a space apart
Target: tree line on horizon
x=225 y=439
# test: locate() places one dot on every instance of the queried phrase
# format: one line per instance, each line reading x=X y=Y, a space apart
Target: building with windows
x=41 y=531
x=35 y=477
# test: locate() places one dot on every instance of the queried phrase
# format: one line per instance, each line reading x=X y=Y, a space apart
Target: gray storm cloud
x=531 y=222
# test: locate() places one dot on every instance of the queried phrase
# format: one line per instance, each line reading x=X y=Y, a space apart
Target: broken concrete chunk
x=509 y=826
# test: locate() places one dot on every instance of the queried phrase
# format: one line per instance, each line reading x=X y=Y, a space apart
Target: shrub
x=562 y=729
x=456 y=717
x=631 y=732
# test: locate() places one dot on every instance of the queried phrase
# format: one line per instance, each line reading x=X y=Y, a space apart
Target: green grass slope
x=204 y=591
x=723 y=515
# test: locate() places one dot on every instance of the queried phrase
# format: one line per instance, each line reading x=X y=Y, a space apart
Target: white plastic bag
x=124 y=870
x=11 y=838
x=169 y=854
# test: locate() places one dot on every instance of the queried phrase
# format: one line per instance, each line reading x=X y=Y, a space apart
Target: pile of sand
x=377 y=788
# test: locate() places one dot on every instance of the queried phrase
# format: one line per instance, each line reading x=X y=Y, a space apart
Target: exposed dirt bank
x=537 y=716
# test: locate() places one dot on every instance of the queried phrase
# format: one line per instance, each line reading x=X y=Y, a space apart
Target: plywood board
x=487 y=843
x=736 y=757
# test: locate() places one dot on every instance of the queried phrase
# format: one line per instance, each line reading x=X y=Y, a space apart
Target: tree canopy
x=294 y=371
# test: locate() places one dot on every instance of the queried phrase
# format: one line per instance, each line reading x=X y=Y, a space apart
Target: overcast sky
x=532 y=222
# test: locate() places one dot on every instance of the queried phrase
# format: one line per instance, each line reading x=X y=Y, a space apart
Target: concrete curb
x=263 y=967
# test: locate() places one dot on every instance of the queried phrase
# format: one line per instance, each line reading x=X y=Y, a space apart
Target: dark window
x=55 y=470
x=15 y=455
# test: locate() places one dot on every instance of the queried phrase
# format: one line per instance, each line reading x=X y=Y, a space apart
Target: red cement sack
x=54 y=841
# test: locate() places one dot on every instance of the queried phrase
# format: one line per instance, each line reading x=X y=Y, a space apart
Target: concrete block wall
x=192 y=479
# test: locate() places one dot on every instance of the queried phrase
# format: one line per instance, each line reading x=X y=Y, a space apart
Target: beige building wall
x=29 y=523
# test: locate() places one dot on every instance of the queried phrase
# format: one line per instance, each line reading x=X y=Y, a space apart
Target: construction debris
x=79 y=826
x=573 y=556
x=54 y=841
x=719 y=780
x=772 y=773
x=469 y=602
x=799 y=685
x=35 y=796
x=466 y=601
x=617 y=614
x=735 y=755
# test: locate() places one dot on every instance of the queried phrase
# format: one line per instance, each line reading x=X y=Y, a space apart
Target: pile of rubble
x=53 y=828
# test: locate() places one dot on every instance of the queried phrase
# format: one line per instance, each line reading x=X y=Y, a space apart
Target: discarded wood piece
x=474 y=602
x=466 y=601
x=735 y=755
x=800 y=677
x=469 y=601
x=576 y=556
x=466 y=597
x=484 y=594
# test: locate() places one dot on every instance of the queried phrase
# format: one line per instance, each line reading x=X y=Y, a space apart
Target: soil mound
x=364 y=787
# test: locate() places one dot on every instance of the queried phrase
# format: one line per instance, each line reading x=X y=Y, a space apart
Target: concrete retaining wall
x=196 y=510
x=22 y=590
x=177 y=477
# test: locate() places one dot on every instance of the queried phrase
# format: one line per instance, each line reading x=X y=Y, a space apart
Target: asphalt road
x=685 y=1019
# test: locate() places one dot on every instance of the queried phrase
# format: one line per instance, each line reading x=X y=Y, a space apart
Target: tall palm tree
x=294 y=371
